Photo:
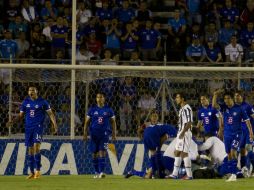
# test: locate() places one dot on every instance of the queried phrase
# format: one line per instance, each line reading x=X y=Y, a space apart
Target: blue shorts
x=168 y=163
x=245 y=137
x=33 y=135
x=151 y=143
x=232 y=142
x=98 y=143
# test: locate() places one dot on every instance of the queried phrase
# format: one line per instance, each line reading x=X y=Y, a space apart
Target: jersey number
x=31 y=113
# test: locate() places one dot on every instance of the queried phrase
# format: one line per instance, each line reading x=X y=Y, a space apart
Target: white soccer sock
x=187 y=164
x=177 y=164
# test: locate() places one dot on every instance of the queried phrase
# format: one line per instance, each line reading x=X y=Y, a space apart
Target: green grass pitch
x=86 y=182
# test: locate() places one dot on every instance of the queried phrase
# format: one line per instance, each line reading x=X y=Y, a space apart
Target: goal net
x=132 y=92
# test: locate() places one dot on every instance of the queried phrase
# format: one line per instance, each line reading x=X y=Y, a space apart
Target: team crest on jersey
x=28 y=105
x=234 y=113
x=95 y=113
x=105 y=113
x=227 y=110
x=202 y=114
x=209 y=113
x=36 y=106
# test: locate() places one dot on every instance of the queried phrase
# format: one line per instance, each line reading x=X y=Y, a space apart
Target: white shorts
x=183 y=145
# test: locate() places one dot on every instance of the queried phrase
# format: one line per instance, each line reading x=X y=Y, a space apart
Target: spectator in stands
x=215 y=84
x=94 y=45
x=41 y=49
x=105 y=12
x=135 y=61
x=8 y=47
x=84 y=55
x=142 y=13
x=91 y=27
x=125 y=14
x=17 y=26
x=247 y=35
x=127 y=94
x=196 y=30
x=48 y=11
x=146 y=104
x=230 y=12
x=175 y=50
x=1 y=31
x=113 y=34
x=249 y=53
x=213 y=52
x=194 y=8
x=211 y=32
x=225 y=33
x=59 y=34
x=101 y=34
x=67 y=15
x=213 y=14
x=23 y=46
x=35 y=33
x=107 y=58
x=150 y=42
x=129 y=41
x=28 y=12
x=47 y=29
x=234 y=51
x=136 y=25
x=195 y=52
x=11 y=11
x=83 y=14
x=176 y=27
x=248 y=13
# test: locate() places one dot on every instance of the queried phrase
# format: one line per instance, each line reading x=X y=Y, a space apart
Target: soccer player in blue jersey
x=34 y=108
x=100 y=118
x=233 y=115
x=209 y=117
x=246 y=142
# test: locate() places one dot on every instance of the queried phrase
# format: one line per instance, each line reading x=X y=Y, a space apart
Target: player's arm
x=216 y=93
x=250 y=128
x=113 y=125
x=206 y=145
x=53 y=120
x=199 y=124
x=87 y=122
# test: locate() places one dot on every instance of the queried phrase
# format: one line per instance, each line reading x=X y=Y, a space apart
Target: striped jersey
x=185 y=115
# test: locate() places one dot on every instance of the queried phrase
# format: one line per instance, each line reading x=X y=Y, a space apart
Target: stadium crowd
x=109 y=31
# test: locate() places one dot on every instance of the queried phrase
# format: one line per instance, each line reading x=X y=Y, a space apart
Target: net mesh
x=131 y=94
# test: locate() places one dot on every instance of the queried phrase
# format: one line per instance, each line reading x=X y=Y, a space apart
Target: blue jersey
x=176 y=24
x=125 y=15
x=233 y=118
x=229 y=13
x=59 y=42
x=213 y=53
x=195 y=51
x=8 y=48
x=100 y=120
x=34 y=111
x=104 y=14
x=130 y=43
x=249 y=111
x=209 y=116
x=246 y=37
x=153 y=133
x=148 y=38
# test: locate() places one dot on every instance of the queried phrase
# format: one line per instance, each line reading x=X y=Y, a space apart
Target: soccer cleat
x=37 y=175
x=102 y=175
x=171 y=176
x=128 y=175
x=187 y=178
x=231 y=178
x=245 y=172
x=30 y=176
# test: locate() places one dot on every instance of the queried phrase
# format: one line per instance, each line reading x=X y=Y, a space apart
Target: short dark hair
x=182 y=95
x=205 y=95
x=239 y=92
x=229 y=93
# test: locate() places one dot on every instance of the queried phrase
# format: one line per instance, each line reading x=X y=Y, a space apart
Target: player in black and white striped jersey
x=183 y=138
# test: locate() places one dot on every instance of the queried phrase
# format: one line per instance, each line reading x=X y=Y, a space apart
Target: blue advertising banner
x=71 y=157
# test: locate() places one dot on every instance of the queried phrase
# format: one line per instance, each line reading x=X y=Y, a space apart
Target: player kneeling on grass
x=34 y=109
x=154 y=135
